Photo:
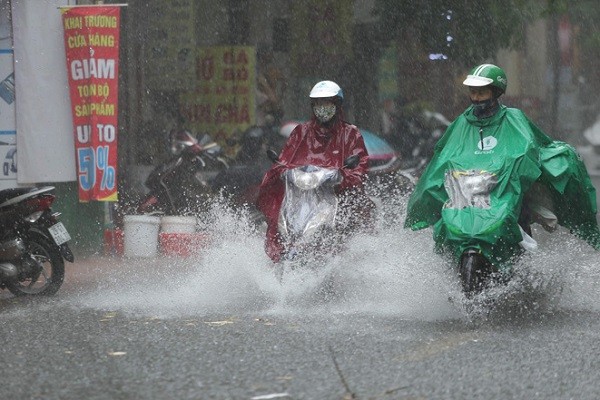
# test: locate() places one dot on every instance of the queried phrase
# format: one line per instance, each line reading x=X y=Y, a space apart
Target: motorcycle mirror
x=352 y=161
x=273 y=156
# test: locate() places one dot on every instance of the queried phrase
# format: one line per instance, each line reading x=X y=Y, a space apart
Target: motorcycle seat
x=13 y=195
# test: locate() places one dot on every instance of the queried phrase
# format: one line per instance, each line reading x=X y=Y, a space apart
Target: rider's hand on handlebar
x=335 y=179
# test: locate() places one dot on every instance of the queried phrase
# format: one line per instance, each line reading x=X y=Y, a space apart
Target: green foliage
x=465 y=31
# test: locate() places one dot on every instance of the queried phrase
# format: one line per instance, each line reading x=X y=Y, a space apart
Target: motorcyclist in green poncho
x=493 y=174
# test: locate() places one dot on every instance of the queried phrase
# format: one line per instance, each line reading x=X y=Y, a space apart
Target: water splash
x=393 y=272
x=562 y=275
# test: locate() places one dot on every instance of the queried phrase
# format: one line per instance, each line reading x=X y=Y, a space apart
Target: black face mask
x=485 y=108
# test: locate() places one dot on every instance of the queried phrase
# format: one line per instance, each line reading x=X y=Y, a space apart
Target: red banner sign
x=92 y=49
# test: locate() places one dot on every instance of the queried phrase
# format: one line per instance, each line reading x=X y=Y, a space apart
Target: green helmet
x=487 y=74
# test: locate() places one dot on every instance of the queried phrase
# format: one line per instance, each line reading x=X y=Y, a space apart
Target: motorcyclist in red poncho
x=325 y=141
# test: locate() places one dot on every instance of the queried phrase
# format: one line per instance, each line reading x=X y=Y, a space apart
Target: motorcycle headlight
x=305 y=180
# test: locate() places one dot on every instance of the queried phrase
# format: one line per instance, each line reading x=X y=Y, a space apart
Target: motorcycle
x=473 y=190
x=482 y=217
x=389 y=176
x=184 y=184
x=241 y=181
x=309 y=213
x=421 y=135
x=33 y=242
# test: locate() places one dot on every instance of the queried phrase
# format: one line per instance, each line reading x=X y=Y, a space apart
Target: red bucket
x=113 y=242
x=182 y=244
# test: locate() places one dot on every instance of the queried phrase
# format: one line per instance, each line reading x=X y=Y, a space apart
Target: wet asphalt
x=73 y=346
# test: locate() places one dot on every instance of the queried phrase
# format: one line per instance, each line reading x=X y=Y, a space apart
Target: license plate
x=59 y=233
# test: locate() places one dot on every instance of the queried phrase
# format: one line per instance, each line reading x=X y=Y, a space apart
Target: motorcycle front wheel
x=475 y=272
x=48 y=272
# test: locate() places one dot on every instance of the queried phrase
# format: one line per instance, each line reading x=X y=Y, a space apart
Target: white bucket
x=140 y=235
x=177 y=224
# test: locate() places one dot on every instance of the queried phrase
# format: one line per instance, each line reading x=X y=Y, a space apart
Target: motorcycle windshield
x=479 y=210
x=309 y=203
x=469 y=188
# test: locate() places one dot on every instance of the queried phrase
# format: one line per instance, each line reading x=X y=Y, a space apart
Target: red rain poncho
x=310 y=144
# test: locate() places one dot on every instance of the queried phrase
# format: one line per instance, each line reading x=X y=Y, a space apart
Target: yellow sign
x=222 y=101
x=171 y=34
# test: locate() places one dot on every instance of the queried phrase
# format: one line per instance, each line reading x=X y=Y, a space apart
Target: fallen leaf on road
x=265 y=321
x=270 y=396
x=218 y=323
x=108 y=316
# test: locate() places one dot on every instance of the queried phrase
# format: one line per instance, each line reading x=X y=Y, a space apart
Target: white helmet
x=326 y=89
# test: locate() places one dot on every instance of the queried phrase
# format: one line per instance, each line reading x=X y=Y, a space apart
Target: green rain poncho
x=488 y=166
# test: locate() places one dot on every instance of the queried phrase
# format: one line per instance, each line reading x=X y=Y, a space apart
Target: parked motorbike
x=384 y=165
x=184 y=184
x=421 y=136
x=241 y=181
x=33 y=242
x=310 y=209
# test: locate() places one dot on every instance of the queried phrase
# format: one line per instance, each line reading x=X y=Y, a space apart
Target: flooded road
x=394 y=326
